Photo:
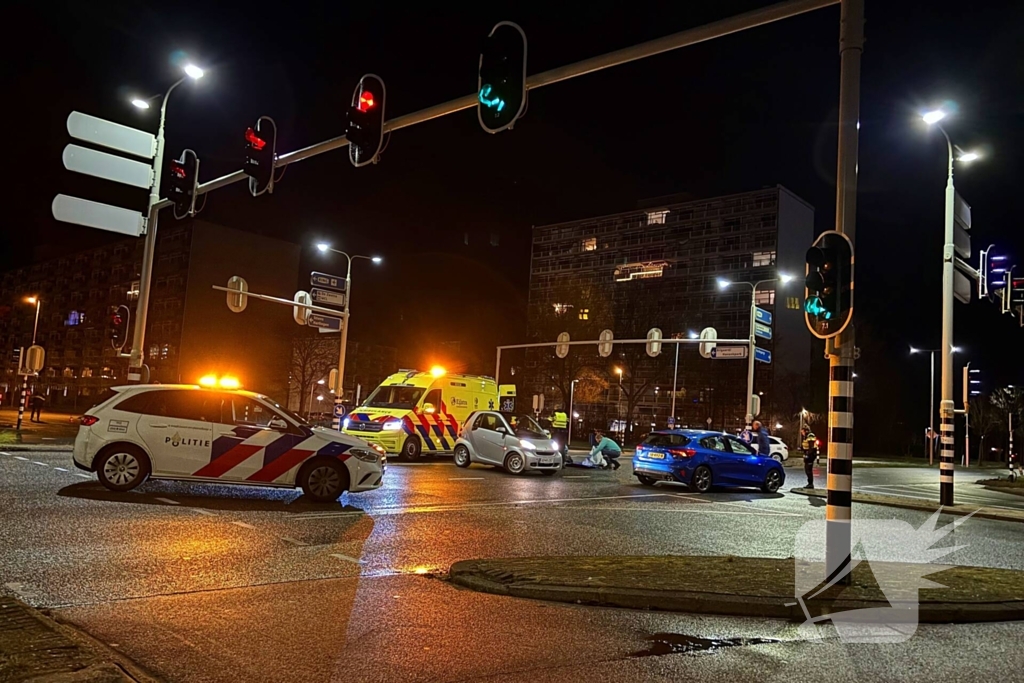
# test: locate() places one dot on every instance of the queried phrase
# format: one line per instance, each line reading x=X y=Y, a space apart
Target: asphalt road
x=220 y=583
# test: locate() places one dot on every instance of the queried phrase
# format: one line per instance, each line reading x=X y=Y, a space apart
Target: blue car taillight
x=682 y=453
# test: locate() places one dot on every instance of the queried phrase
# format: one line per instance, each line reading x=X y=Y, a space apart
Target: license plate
x=547 y=461
x=656 y=456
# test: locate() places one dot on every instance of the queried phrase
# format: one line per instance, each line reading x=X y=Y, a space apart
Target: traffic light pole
x=841 y=349
x=946 y=407
x=137 y=356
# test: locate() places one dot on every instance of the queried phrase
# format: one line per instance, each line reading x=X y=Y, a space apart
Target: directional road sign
x=107 y=166
x=328 y=297
x=762 y=355
x=325 y=280
x=762 y=316
x=323 y=321
x=112 y=135
x=96 y=215
x=763 y=331
x=729 y=352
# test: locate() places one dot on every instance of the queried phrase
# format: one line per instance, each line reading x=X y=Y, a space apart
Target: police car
x=191 y=433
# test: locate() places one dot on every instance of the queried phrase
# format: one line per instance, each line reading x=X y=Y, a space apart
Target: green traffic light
x=813 y=306
x=487 y=100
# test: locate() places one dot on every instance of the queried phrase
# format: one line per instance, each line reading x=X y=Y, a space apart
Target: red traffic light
x=178 y=169
x=116 y=319
x=366 y=101
x=256 y=141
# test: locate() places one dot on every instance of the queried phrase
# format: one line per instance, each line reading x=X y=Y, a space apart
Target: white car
x=779 y=450
x=511 y=441
x=184 y=432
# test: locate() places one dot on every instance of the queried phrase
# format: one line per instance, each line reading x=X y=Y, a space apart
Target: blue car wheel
x=772 y=481
x=701 y=479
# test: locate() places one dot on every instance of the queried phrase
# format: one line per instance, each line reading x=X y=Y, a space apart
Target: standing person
x=36 y=404
x=560 y=427
x=603 y=448
x=809 y=446
x=760 y=439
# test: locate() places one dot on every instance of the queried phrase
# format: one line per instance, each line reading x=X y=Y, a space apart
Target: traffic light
x=501 y=82
x=184 y=176
x=365 y=129
x=1016 y=291
x=119 y=326
x=828 y=300
x=260 y=154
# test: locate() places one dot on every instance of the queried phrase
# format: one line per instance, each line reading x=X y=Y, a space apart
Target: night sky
x=754 y=109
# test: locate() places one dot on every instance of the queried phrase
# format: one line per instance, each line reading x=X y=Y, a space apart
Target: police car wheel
x=324 y=480
x=122 y=467
x=461 y=456
x=410 y=449
x=515 y=463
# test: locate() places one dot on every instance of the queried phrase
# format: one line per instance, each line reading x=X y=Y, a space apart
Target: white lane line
x=697 y=510
x=243 y=525
x=347 y=558
x=18 y=457
x=22 y=591
x=691 y=496
x=293 y=541
x=204 y=512
x=60 y=469
x=82 y=474
x=44 y=464
x=4 y=453
x=575 y=476
x=465 y=478
x=168 y=501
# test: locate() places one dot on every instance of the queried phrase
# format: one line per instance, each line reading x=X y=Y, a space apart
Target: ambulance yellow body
x=413 y=413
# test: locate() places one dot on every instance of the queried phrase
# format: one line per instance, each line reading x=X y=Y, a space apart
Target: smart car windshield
x=393 y=396
x=524 y=425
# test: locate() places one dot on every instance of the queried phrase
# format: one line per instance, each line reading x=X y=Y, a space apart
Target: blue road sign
x=326 y=280
x=760 y=315
x=763 y=331
x=323 y=321
x=762 y=355
x=328 y=297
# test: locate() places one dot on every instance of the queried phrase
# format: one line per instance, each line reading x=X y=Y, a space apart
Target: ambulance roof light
x=437 y=371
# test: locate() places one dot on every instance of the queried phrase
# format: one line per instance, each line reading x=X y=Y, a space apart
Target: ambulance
x=414 y=413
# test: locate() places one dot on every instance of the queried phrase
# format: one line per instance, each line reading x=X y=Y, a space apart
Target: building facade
x=660 y=266
x=190 y=330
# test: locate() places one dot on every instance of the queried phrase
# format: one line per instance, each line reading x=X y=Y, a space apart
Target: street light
x=145 y=280
x=931 y=403
x=946 y=409
x=752 y=340
x=37 y=302
x=323 y=248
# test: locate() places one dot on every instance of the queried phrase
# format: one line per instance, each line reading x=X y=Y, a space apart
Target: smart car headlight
x=529 y=445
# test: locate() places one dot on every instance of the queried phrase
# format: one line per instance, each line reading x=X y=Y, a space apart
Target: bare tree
x=313 y=356
x=637 y=311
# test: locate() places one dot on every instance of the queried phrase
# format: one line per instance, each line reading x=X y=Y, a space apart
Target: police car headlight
x=528 y=445
x=364 y=454
x=345 y=423
x=392 y=425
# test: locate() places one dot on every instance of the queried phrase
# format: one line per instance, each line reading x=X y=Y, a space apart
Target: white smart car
x=167 y=431
x=511 y=441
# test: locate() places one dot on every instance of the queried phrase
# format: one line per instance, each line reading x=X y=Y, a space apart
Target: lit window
x=589 y=244
x=133 y=291
x=584 y=314
x=74 y=318
x=154 y=351
x=561 y=308
x=793 y=303
x=69 y=373
x=656 y=217
x=765 y=296
x=764 y=258
x=86 y=372
x=639 y=271
x=165 y=351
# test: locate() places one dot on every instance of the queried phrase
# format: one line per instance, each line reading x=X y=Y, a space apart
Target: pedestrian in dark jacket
x=764 y=446
x=36 y=404
x=809 y=446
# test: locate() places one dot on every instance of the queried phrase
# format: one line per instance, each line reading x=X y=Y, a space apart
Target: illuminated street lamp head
x=376 y=259
x=785 y=277
x=323 y=246
x=30 y=299
x=968 y=157
x=193 y=72
x=140 y=103
x=956 y=349
x=694 y=335
x=933 y=116
x=618 y=371
x=914 y=350
x=723 y=283
x=320 y=381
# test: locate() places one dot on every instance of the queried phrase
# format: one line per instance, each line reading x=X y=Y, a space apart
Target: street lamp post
x=752 y=338
x=137 y=355
x=618 y=406
x=339 y=390
x=946 y=407
x=38 y=301
x=931 y=405
x=572 y=401
x=309 y=404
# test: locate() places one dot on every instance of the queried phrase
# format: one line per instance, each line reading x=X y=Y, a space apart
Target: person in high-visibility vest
x=809 y=446
x=560 y=427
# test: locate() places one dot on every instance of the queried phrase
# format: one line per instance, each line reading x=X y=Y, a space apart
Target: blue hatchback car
x=702 y=459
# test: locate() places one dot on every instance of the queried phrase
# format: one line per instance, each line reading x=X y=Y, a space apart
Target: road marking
x=18 y=457
x=244 y=525
x=24 y=592
x=973 y=499
x=575 y=476
x=168 y=501
x=347 y=558
x=60 y=469
x=293 y=541
x=204 y=512
x=465 y=478
x=44 y=464
x=82 y=474
x=698 y=510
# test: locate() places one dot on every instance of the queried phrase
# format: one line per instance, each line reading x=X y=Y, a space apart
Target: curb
x=30 y=447
x=913 y=504
x=465 y=573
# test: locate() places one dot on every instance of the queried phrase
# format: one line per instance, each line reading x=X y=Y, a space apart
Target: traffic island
x=739 y=586
x=35 y=648
x=1001 y=514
